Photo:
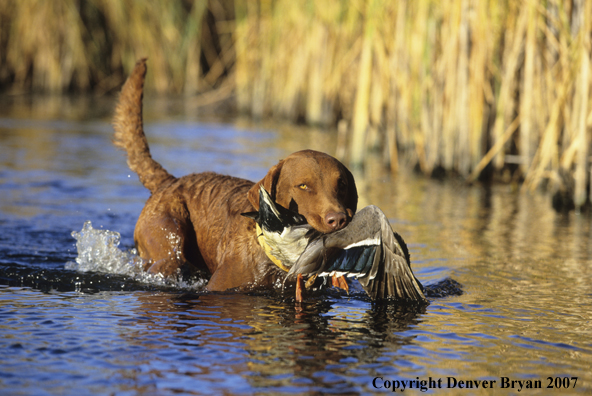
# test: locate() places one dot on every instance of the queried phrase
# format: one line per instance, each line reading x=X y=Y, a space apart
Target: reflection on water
x=171 y=342
x=524 y=313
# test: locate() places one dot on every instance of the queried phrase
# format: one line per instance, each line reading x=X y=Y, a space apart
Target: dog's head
x=314 y=184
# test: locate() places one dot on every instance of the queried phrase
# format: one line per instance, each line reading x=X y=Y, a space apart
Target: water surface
x=524 y=313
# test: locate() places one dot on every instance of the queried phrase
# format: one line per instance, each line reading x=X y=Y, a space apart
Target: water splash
x=98 y=251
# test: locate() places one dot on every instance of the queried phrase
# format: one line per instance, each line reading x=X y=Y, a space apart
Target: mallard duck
x=367 y=249
x=284 y=235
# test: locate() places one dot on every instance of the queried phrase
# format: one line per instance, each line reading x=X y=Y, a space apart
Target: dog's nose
x=336 y=221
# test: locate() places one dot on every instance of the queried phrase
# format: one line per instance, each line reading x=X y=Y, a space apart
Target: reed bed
x=461 y=86
x=65 y=45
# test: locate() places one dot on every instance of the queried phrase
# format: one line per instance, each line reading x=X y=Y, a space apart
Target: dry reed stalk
x=400 y=74
x=479 y=91
x=291 y=51
x=434 y=108
x=582 y=135
x=192 y=64
x=288 y=70
x=360 y=110
x=341 y=150
x=556 y=58
x=264 y=61
x=426 y=94
x=413 y=87
x=450 y=33
x=526 y=98
x=361 y=118
x=547 y=153
x=499 y=145
x=510 y=60
x=241 y=48
x=462 y=91
x=379 y=79
x=395 y=60
x=317 y=53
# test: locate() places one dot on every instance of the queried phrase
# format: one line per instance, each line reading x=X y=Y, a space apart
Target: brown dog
x=195 y=221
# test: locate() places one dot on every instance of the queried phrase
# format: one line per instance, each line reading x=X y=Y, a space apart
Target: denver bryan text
x=453 y=383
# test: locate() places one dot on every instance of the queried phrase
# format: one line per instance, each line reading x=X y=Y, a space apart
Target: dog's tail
x=129 y=131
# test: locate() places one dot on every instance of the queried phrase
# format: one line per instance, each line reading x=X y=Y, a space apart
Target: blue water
x=525 y=272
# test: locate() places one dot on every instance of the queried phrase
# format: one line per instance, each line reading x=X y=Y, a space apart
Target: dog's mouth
x=329 y=222
x=327 y=226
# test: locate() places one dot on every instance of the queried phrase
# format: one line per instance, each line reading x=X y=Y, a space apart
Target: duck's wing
x=391 y=275
x=367 y=249
x=329 y=252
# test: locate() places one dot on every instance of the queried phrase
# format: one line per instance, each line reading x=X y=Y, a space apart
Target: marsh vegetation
x=474 y=88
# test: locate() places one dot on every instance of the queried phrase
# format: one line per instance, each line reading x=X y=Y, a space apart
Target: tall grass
x=464 y=86
x=81 y=44
x=458 y=85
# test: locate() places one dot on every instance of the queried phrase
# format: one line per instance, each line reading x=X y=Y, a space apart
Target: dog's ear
x=269 y=183
x=352 y=191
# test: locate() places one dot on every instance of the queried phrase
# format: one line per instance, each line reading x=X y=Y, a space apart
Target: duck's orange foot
x=340 y=282
x=299 y=288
